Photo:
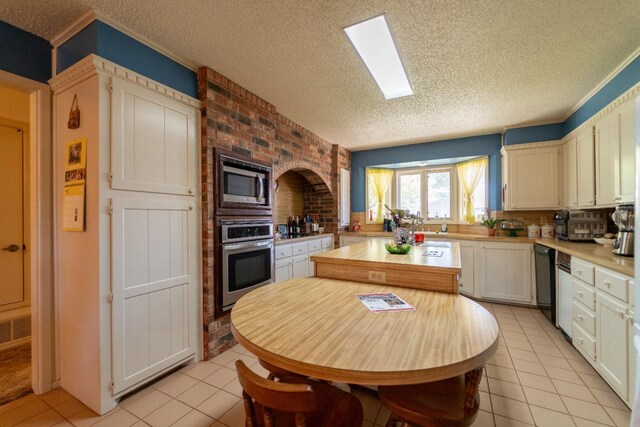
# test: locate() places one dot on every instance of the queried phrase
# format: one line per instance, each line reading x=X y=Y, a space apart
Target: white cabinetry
x=466 y=283
x=585 y=168
x=530 y=176
x=569 y=154
x=602 y=319
x=129 y=298
x=293 y=260
x=615 y=156
x=504 y=271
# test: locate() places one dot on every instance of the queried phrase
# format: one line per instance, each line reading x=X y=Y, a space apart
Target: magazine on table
x=387 y=301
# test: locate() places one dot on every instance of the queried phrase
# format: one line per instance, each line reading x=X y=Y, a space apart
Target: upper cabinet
x=615 y=155
x=585 y=166
x=568 y=156
x=530 y=176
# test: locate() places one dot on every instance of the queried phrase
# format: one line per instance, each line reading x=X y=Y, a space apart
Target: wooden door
x=612 y=341
x=505 y=271
x=586 y=168
x=12 y=290
x=154 y=285
x=624 y=163
x=606 y=137
x=153 y=142
x=569 y=154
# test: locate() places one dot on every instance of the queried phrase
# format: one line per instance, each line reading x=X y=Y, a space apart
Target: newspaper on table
x=384 y=302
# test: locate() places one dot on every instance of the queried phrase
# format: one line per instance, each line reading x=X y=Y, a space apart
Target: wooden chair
x=453 y=402
x=295 y=402
x=276 y=373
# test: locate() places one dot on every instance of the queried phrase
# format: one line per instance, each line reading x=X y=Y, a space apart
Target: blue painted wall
x=485 y=145
x=24 y=54
x=533 y=134
x=109 y=43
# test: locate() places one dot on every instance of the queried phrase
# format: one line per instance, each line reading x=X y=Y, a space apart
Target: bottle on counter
x=297 y=225
x=290 y=228
x=444 y=227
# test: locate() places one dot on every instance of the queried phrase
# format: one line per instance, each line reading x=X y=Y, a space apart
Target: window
x=473 y=178
x=428 y=191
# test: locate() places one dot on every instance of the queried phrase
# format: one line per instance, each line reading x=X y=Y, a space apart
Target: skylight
x=372 y=39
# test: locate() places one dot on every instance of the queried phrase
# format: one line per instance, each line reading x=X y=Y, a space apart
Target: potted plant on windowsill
x=489 y=222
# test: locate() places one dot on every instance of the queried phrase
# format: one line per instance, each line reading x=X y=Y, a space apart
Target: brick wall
x=238 y=120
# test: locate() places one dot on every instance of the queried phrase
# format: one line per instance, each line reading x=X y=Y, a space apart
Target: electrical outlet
x=377 y=276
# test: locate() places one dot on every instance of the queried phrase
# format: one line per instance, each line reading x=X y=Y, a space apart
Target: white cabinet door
x=154 y=285
x=624 y=165
x=284 y=269
x=466 y=257
x=612 y=342
x=504 y=271
x=606 y=139
x=586 y=168
x=570 y=174
x=312 y=265
x=153 y=141
x=526 y=187
x=300 y=266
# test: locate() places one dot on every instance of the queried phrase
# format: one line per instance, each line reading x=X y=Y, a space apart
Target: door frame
x=39 y=220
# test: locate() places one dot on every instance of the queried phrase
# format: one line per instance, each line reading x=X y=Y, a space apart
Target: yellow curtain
x=380 y=180
x=469 y=174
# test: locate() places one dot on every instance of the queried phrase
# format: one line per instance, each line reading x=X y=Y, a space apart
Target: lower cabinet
x=504 y=271
x=466 y=282
x=293 y=260
x=612 y=344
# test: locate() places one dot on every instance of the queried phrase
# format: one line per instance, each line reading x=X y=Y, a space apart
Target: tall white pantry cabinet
x=127 y=287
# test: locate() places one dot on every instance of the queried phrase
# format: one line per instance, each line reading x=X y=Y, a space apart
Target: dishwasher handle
x=564 y=268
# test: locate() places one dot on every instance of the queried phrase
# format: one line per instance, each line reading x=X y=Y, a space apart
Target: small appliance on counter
x=512 y=225
x=580 y=225
x=624 y=218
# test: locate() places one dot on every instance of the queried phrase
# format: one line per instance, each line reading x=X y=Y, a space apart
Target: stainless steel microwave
x=243 y=185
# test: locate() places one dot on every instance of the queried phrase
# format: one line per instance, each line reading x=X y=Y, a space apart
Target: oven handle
x=246 y=245
x=260 y=195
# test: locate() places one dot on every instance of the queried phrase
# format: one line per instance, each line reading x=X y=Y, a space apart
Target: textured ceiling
x=476 y=66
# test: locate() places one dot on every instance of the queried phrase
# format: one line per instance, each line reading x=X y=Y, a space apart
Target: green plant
x=489 y=222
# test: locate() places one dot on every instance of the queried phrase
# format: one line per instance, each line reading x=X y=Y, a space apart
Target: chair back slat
x=276 y=395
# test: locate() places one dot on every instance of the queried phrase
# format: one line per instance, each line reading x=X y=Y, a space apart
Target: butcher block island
x=433 y=266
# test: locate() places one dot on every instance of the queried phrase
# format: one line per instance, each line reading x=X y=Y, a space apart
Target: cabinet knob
x=580 y=294
x=580 y=340
x=607 y=283
x=617 y=199
x=580 y=318
x=192 y=207
x=579 y=272
x=191 y=191
x=621 y=313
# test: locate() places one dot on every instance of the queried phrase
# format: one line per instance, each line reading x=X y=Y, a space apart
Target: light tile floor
x=535 y=378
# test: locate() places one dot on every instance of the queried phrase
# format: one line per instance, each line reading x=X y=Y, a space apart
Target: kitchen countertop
x=592 y=252
x=302 y=239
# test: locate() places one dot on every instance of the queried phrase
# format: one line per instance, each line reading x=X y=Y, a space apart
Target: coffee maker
x=623 y=216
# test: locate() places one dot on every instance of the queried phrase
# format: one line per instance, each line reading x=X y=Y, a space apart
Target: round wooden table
x=317 y=327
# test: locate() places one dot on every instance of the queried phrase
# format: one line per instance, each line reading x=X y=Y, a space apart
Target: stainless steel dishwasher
x=546 y=280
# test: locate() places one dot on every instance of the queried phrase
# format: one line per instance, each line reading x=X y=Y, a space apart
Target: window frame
x=424 y=171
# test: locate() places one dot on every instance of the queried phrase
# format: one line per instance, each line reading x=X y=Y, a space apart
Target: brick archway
x=319 y=182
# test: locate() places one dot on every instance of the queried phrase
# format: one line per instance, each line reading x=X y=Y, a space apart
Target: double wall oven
x=247 y=255
x=244 y=227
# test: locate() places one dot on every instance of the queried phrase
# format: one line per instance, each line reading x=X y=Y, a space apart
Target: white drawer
x=583 y=341
x=315 y=245
x=584 y=317
x=583 y=293
x=582 y=270
x=283 y=251
x=300 y=248
x=613 y=284
x=327 y=242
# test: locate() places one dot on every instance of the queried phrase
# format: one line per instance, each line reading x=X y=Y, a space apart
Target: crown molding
x=604 y=82
x=550 y=143
x=73 y=29
x=94 y=64
x=629 y=94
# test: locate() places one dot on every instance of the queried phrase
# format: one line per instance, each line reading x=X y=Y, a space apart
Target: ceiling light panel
x=372 y=39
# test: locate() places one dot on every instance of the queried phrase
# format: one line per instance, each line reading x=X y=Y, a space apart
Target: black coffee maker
x=561 y=219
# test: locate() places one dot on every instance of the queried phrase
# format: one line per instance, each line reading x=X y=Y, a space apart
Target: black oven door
x=245 y=266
